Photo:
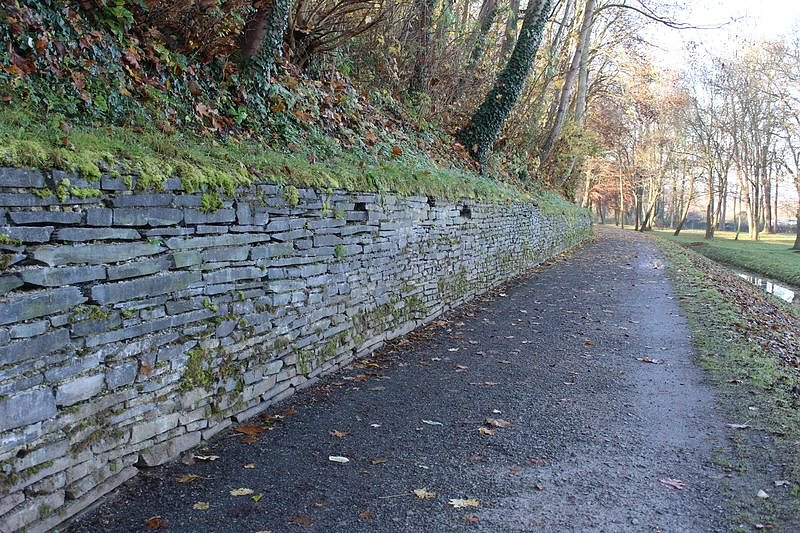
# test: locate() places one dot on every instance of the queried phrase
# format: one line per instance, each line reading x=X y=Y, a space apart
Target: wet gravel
x=555 y=353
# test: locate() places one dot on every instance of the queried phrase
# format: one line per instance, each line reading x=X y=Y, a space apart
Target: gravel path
x=556 y=354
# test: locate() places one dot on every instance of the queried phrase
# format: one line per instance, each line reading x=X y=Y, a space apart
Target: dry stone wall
x=135 y=325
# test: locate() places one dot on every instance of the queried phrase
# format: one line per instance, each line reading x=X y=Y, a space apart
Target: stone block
x=28 y=513
x=45 y=217
x=79 y=389
x=95 y=326
x=34 y=347
x=152 y=216
x=143 y=287
x=142 y=200
x=121 y=375
x=94 y=254
x=21 y=177
x=169 y=450
x=228 y=253
x=228 y=275
x=148 y=429
x=9 y=283
x=111 y=183
x=99 y=217
x=271 y=250
x=186 y=259
x=139 y=268
x=26 y=408
x=177 y=243
x=34 y=305
x=97 y=234
x=34 y=234
x=196 y=216
x=14 y=199
x=72 y=367
x=59 y=276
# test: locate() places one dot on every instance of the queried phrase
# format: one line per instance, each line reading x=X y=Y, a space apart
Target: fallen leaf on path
x=762 y=494
x=242 y=492
x=452 y=349
x=782 y=483
x=460 y=503
x=471 y=518
x=379 y=460
x=735 y=381
x=432 y=423
x=366 y=515
x=486 y=431
x=250 y=430
x=338 y=434
x=539 y=487
x=424 y=494
x=763 y=526
x=187 y=478
x=650 y=360
x=538 y=461
x=200 y=506
x=156 y=522
x=250 y=466
x=338 y=459
x=498 y=423
x=516 y=469
x=374 y=425
x=587 y=342
x=257 y=497
x=301 y=520
x=461 y=367
x=737 y=426
x=672 y=483
x=206 y=457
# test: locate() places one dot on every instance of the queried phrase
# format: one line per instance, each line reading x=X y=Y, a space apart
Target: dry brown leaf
x=538 y=461
x=471 y=518
x=338 y=459
x=201 y=506
x=498 y=423
x=379 y=460
x=366 y=515
x=206 y=457
x=242 y=492
x=187 y=478
x=301 y=520
x=737 y=426
x=486 y=431
x=250 y=430
x=156 y=522
x=250 y=466
x=650 y=360
x=672 y=483
x=424 y=494
x=338 y=434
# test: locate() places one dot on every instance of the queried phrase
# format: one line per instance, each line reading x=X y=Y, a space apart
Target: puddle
x=771 y=287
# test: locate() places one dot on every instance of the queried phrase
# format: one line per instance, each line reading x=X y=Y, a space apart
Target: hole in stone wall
x=360 y=206
x=431 y=201
x=466 y=212
x=21 y=454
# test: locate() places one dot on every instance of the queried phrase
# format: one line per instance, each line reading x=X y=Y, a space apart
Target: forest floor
x=570 y=399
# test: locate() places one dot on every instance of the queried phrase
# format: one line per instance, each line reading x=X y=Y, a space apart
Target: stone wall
x=135 y=325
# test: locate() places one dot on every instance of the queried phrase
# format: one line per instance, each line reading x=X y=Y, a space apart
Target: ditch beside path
x=587 y=359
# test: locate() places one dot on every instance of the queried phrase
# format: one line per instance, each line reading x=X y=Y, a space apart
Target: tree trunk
x=569 y=83
x=263 y=34
x=797 y=229
x=484 y=127
x=423 y=21
x=485 y=21
x=511 y=30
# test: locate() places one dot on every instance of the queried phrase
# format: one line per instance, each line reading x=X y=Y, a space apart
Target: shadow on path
x=556 y=354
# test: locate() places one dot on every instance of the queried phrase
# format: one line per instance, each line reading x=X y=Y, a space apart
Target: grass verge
x=770 y=256
x=747 y=342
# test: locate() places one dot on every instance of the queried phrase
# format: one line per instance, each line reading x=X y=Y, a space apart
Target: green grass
x=770 y=256
x=205 y=163
x=730 y=321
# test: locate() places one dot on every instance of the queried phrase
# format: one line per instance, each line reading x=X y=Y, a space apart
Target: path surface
x=594 y=429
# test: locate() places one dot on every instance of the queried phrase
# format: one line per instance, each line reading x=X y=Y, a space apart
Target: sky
x=747 y=19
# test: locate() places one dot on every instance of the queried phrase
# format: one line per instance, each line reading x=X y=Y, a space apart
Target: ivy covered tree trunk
x=262 y=37
x=796 y=246
x=482 y=130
